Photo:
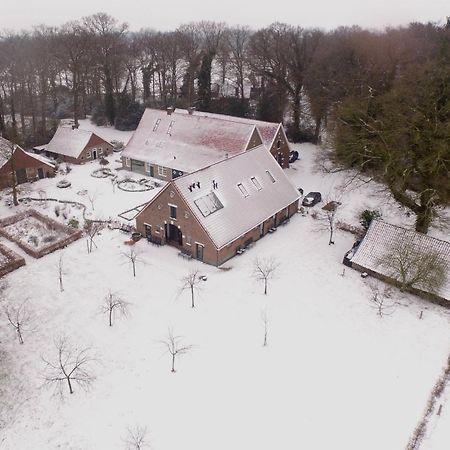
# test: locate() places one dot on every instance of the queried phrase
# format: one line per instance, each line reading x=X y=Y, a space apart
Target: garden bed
x=9 y=260
x=129 y=185
x=37 y=234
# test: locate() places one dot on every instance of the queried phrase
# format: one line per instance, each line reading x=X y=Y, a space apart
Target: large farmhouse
x=215 y=212
x=168 y=144
x=23 y=166
x=385 y=247
x=76 y=146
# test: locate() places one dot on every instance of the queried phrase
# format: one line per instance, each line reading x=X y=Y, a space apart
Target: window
x=127 y=162
x=100 y=151
x=88 y=155
x=256 y=183
x=188 y=240
x=271 y=177
x=156 y=126
x=162 y=171
x=279 y=144
x=147 y=167
x=173 y=212
x=244 y=191
x=169 y=130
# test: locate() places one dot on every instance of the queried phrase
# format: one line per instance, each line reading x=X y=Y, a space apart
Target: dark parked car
x=312 y=199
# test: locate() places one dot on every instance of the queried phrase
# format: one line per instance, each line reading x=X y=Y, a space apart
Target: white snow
x=334 y=375
x=245 y=204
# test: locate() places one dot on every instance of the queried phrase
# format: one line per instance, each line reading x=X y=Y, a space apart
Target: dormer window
x=256 y=183
x=156 y=126
x=243 y=190
x=271 y=177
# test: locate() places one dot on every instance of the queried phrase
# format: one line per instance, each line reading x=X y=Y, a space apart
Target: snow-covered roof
x=68 y=141
x=382 y=237
x=42 y=159
x=235 y=195
x=267 y=130
x=186 y=142
x=5 y=150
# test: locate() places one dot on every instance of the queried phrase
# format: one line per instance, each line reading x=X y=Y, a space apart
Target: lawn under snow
x=334 y=375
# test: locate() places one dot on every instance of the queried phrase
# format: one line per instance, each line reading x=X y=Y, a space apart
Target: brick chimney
x=170 y=110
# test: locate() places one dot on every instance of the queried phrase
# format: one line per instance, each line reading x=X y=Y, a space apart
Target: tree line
x=362 y=89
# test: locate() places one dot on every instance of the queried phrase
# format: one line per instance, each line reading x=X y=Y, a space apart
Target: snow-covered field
x=333 y=376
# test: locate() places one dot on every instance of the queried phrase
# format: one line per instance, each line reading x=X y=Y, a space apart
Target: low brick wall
x=14 y=261
x=71 y=234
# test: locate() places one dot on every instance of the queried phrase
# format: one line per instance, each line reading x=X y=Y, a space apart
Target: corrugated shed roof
x=69 y=142
x=267 y=130
x=186 y=142
x=382 y=237
x=243 y=194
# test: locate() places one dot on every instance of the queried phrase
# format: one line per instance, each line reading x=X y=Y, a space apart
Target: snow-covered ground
x=334 y=374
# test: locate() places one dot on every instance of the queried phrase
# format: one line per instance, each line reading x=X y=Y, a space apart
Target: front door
x=148 y=232
x=94 y=154
x=40 y=173
x=200 y=252
x=173 y=235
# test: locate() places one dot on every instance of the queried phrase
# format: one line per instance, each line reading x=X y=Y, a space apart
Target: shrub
x=57 y=211
x=366 y=217
x=73 y=222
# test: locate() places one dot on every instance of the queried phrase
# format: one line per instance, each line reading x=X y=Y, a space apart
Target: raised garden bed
x=135 y=186
x=9 y=260
x=37 y=234
x=102 y=173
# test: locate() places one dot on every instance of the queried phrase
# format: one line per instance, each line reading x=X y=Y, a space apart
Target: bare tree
x=92 y=196
x=413 y=267
x=71 y=366
x=133 y=258
x=19 y=318
x=264 y=269
x=174 y=346
x=61 y=272
x=136 y=438
x=380 y=299
x=92 y=229
x=114 y=303
x=265 y=322
x=191 y=282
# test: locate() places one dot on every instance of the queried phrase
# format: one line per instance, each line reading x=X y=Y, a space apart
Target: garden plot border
x=14 y=260
x=71 y=234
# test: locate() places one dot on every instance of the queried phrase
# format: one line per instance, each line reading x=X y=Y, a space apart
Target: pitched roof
x=382 y=237
x=68 y=141
x=267 y=130
x=5 y=150
x=5 y=153
x=236 y=195
x=186 y=142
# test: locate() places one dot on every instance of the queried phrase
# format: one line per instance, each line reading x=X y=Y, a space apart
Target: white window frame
x=88 y=154
x=162 y=171
x=127 y=162
x=170 y=210
x=147 y=167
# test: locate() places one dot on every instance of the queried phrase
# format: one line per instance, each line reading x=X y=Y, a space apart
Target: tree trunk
x=110 y=317
x=173 y=362
x=192 y=295
x=70 y=385
x=265 y=286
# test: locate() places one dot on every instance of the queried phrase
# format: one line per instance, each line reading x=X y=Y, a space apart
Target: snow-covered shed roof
x=186 y=142
x=236 y=195
x=267 y=130
x=68 y=141
x=5 y=153
x=382 y=237
x=5 y=150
